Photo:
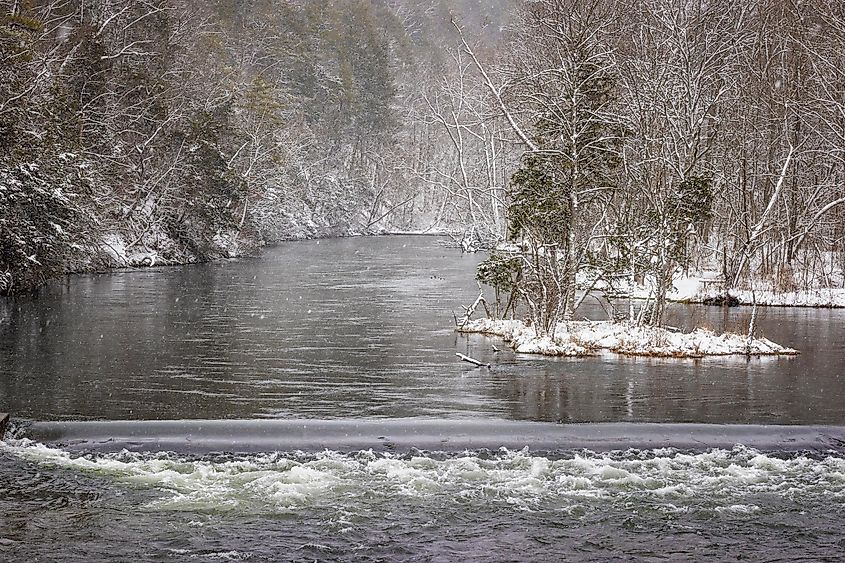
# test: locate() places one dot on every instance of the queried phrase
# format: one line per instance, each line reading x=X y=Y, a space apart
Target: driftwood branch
x=471 y=309
x=471 y=360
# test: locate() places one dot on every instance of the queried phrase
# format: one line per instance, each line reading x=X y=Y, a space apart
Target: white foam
x=276 y=483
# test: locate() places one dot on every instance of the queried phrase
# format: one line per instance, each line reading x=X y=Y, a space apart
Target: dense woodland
x=611 y=141
x=167 y=131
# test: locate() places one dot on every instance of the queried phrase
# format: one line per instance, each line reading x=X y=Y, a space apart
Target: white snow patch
x=523 y=338
x=585 y=337
x=698 y=288
x=228 y=244
x=115 y=247
x=825 y=297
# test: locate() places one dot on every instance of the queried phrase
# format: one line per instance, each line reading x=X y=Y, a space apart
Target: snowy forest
x=422 y=280
x=612 y=143
x=137 y=133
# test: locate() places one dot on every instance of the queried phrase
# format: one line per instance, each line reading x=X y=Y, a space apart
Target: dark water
x=364 y=506
x=363 y=328
x=360 y=330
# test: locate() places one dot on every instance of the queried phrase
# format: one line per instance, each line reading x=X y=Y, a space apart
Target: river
x=360 y=332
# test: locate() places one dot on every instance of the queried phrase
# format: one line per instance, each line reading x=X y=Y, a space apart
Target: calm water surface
x=362 y=328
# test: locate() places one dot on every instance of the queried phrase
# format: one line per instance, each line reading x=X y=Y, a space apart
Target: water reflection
x=362 y=327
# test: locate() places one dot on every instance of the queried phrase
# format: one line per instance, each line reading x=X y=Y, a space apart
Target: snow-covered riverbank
x=823 y=298
x=585 y=338
x=701 y=289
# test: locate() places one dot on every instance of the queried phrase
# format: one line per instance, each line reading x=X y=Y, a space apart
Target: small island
x=586 y=338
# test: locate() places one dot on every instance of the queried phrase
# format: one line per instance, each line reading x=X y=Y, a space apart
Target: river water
x=339 y=331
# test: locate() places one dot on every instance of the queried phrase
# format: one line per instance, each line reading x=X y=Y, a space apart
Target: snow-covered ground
x=825 y=297
x=115 y=248
x=696 y=289
x=584 y=338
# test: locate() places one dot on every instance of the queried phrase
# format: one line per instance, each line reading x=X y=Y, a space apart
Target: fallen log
x=471 y=360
